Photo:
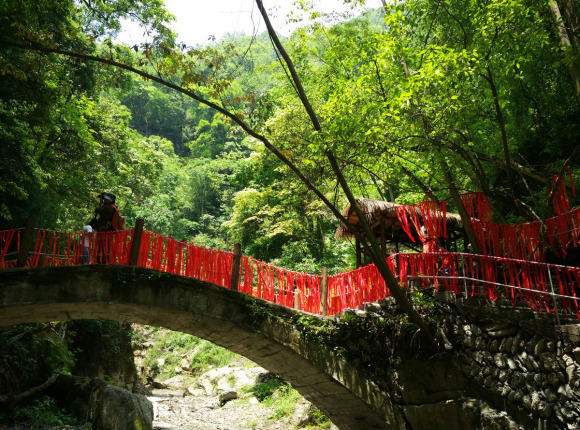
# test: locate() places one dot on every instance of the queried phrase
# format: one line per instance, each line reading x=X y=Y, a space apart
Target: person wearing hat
x=87 y=233
x=104 y=212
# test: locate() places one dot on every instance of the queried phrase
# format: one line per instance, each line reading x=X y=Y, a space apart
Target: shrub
x=42 y=412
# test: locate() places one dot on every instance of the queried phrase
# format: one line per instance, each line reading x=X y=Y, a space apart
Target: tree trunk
x=460 y=207
x=368 y=240
x=567 y=45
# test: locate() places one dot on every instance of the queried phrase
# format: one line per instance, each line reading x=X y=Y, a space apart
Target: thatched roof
x=377 y=211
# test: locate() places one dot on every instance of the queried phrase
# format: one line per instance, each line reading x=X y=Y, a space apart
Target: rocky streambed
x=219 y=400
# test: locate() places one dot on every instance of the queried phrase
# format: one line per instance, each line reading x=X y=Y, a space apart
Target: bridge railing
x=544 y=287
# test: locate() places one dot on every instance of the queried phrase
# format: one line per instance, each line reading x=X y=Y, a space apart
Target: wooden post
x=297 y=301
x=357 y=250
x=26 y=241
x=383 y=238
x=324 y=290
x=136 y=242
x=394 y=249
x=236 y=266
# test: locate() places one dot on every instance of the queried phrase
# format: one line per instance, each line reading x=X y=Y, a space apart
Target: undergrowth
x=41 y=412
x=171 y=346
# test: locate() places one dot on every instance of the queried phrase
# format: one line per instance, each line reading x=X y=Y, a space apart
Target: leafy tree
x=157 y=111
x=202 y=77
x=20 y=348
x=430 y=94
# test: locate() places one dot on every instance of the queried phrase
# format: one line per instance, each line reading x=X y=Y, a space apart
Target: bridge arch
x=254 y=328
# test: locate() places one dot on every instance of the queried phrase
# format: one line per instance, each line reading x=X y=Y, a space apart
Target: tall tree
x=177 y=63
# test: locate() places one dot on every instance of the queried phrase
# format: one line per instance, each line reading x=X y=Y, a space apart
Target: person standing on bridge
x=87 y=230
x=107 y=219
x=105 y=212
x=430 y=245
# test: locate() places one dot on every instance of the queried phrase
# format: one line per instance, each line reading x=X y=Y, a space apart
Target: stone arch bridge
x=222 y=316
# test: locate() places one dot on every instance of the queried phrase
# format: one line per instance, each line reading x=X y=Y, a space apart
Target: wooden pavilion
x=387 y=228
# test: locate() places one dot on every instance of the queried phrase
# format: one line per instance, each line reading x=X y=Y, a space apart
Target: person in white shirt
x=87 y=230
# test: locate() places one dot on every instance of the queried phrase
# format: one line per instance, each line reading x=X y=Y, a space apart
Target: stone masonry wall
x=499 y=367
x=526 y=359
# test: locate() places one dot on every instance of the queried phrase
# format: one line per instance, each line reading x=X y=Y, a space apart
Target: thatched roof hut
x=382 y=218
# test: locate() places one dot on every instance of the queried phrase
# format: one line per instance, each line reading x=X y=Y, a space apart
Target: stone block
x=571 y=332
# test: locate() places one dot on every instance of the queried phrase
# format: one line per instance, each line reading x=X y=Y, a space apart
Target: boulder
x=179 y=382
x=226 y=396
x=105 y=406
x=227 y=378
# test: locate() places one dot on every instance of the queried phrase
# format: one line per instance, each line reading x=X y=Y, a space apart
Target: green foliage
x=276 y=393
x=40 y=413
x=171 y=346
x=209 y=355
x=422 y=300
x=283 y=401
x=400 y=91
x=266 y=387
x=100 y=345
x=367 y=342
x=319 y=420
x=30 y=353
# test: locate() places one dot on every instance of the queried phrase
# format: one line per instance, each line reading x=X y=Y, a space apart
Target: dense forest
x=263 y=140
x=415 y=99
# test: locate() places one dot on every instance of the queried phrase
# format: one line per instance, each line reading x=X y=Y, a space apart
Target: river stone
x=468 y=341
x=533 y=363
x=507 y=345
x=303 y=414
x=226 y=396
x=479 y=356
x=551 y=396
x=518 y=380
x=516 y=344
x=372 y=307
x=228 y=378
x=467 y=330
x=499 y=361
x=561 y=377
x=576 y=353
x=566 y=361
x=121 y=410
x=106 y=406
x=535 y=401
x=545 y=409
x=504 y=332
x=489 y=381
x=553 y=379
x=492 y=419
x=550 y=361
x=503 y=390
x=179 y=382
x=564 y=390
x=458 y=414
x=476 y=330
x=158 y=384
x=527 y=401
x=511 y=363
x=572 y=374
x=196 y=392
x=531 y=344
x=503 y=375
x=530 y=378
